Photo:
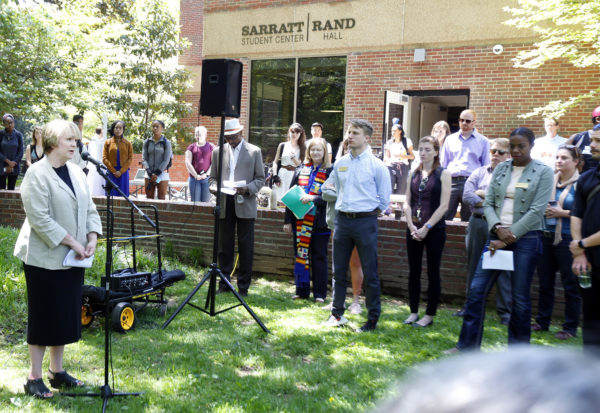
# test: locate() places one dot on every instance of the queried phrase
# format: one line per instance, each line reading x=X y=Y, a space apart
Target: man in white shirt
x=545 y=148
x=316 y=131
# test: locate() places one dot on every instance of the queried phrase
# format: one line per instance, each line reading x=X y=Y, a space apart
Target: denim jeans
x=558 y=257
x=199 y=190
x=527 y=251
x=362 y=233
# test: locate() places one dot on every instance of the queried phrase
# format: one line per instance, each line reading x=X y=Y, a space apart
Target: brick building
x=331 y=60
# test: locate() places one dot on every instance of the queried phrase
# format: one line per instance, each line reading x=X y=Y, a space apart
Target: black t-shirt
x=588 y=212
x=63 y=173
x=582 y=141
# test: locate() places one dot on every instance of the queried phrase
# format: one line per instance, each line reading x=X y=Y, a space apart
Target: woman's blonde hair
x=54 y=130
x=321 y=142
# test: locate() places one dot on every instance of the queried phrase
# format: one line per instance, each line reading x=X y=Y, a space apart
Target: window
x=279 y=97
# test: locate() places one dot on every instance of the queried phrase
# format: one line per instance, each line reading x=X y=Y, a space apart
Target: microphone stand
x=211 y=276
x=105 y=391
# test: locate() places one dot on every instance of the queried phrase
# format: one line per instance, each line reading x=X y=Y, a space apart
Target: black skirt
x=54 y=305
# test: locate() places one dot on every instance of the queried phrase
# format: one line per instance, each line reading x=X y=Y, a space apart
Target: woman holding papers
x=556 y=255
x=426 y=204
x=514 y=208
x=289 y=156
x=60 y=216
x=310 y=233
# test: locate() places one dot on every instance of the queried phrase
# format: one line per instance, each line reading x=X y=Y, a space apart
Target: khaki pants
x=162 y=186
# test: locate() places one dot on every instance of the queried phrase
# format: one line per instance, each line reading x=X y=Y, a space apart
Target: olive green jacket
x=531 y=196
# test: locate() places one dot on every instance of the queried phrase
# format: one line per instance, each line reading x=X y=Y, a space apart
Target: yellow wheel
x=123 y=317
x=86 y=315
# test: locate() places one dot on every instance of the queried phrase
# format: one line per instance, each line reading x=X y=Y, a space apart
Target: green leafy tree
x=47 y=66
x=147 y=83
x=567 y=29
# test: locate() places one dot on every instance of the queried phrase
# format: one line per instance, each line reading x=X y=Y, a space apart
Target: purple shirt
x=201 y=156
x=479 y=179
x=462 y=156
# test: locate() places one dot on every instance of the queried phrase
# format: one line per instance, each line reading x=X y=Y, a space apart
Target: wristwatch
x=580 y=243
x=428 y=225
x=495 y=227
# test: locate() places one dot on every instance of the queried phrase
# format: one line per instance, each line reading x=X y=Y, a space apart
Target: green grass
x=226 y=363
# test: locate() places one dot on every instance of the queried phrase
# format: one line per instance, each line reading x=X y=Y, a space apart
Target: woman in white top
x=290 y=153
x=95 y=181
x=398 y=151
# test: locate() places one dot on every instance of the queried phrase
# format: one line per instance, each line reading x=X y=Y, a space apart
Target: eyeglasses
x=498 y=151
x=467 y=121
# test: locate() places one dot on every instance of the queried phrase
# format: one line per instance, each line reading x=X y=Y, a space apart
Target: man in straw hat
x=242 y=162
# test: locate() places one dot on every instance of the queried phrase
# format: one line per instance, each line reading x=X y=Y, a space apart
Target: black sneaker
x=370 y=325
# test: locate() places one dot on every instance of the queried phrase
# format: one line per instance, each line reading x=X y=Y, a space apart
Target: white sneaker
x=336 y=321
x=355 y=308
x=328 y=307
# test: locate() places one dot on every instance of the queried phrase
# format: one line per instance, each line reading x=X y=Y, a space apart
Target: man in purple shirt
x=477 y=231
x=462 y=153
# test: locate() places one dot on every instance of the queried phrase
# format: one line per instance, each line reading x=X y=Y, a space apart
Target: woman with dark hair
x=11 y=153
x=514 y=208
x=60 y=216
x=426 y=204
x=312 y=229
x=289 y=155
x=117 y=156
x=35 y=150
x=156 y=156
x=398 y=153
x=556 y=254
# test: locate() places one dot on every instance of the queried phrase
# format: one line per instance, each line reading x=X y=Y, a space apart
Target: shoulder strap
x=592 y=193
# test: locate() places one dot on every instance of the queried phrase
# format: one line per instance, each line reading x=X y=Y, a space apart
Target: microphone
x=87 y=157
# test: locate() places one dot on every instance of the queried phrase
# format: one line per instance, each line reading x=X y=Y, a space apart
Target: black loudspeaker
x=221 y=90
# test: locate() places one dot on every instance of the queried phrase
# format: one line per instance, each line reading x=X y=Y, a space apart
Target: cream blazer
x=53 y=211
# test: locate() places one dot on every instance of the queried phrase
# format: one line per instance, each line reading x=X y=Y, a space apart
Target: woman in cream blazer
x=60 y=215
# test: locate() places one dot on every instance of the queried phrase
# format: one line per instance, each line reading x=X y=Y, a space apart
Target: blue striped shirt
x=362 y=183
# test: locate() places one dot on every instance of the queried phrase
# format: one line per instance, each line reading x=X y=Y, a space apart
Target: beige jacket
x=53 y=212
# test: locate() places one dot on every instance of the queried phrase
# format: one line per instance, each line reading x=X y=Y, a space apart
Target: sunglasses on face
x=467 y=121
x=498 y=151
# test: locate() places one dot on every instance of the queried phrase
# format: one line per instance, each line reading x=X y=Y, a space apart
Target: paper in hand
x=501 y=260
x=72 y=261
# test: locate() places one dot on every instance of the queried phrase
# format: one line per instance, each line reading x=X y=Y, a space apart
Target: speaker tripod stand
x=215 y=273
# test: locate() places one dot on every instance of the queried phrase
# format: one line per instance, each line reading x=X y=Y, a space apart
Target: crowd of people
x=534 y=199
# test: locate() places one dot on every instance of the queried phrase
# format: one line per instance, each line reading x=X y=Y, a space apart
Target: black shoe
x=38 y=389
x=243 y=293
x=370 y=325
x=460 y=313
x=63 y=379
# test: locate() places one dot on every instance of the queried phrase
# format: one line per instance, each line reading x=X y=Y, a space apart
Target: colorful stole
x=310 y=180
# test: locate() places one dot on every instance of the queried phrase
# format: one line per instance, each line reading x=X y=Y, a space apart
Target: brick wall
x=190 y=226
x=499 y=93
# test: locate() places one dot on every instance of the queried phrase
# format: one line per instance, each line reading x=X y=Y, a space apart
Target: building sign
x=317 y=28
x=296 y=31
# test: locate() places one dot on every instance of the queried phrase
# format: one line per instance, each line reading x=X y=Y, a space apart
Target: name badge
x=523 y=185
x=343 y=169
